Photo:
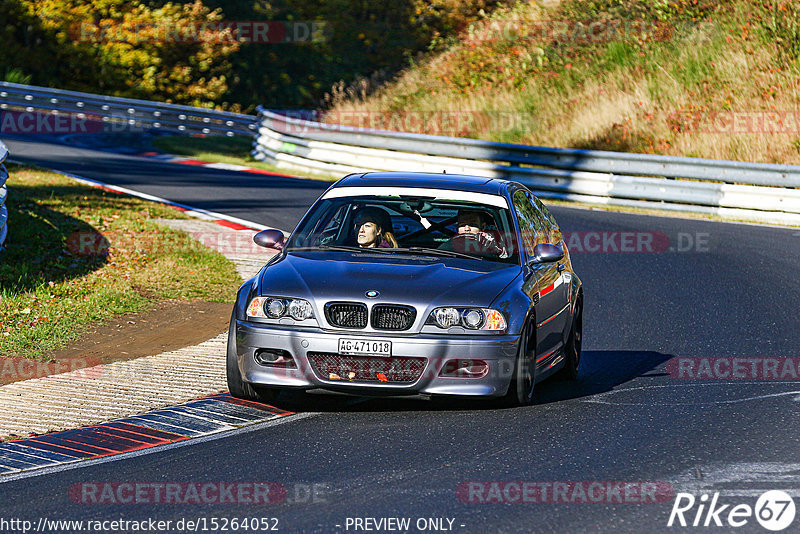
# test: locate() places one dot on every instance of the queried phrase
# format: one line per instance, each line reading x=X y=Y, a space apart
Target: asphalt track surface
x=626 y=418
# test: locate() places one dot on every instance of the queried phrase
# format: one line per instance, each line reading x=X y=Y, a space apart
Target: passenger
x=473 y=237
x=374 y=228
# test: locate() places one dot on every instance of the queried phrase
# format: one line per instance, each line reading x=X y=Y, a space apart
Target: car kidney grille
x=396 y=370
x=393 y=317
x=346 y=314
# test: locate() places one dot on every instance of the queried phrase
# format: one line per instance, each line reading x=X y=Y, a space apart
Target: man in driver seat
x=472 y=236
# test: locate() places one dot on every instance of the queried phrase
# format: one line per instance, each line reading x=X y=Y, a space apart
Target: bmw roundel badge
x=372 y=294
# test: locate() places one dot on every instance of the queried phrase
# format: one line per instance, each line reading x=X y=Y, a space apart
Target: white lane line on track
x=190 y=210
x=45 y=405
x=740 y=479
x=600 y=397
x=158 y=448
x=223 y=432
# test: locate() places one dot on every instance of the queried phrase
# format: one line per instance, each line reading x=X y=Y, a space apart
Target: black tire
x=572 y=350
x=236 y=385
x=523 y=380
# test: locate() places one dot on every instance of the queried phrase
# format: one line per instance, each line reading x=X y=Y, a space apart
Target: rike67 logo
x=774 y=510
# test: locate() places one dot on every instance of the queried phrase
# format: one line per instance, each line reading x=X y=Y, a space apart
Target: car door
x=562 y=283
x=543 y=281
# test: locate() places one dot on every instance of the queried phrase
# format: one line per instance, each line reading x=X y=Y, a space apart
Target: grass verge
x=219 y=149
x=78 y=255
x=690 y=77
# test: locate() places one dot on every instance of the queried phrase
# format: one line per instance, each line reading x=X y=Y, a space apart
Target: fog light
x=274 y=358
x=464 y=369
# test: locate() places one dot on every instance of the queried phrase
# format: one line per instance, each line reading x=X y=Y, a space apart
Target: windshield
x=409 y=224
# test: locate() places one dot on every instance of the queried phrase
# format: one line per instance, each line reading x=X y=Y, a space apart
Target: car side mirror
x=269 y=238
x=547 y=253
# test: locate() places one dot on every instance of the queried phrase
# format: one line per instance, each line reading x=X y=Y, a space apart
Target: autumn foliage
x=54 y=43
x=139 y=48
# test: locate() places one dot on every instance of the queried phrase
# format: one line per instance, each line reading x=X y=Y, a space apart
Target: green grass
x=78 y=255
x=654 y=87
x=220 y=149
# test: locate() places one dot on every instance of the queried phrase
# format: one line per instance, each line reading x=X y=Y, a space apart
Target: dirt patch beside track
x=170 y=325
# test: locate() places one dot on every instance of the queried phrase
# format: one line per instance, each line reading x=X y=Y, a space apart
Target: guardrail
x=123 y=114
x=731 y=189
x=3 y=196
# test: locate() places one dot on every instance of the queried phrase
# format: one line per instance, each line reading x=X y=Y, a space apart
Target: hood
x=401 y=279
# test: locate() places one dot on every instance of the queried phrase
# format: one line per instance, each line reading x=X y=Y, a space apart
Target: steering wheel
x=472 y=243
x=464 y=237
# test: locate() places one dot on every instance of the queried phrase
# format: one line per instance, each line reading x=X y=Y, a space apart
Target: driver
x=374 y=228
x=472 y=235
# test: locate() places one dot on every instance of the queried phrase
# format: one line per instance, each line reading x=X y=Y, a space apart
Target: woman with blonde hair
x=374 y=228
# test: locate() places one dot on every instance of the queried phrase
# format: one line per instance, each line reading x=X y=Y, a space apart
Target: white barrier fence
x=731 y=189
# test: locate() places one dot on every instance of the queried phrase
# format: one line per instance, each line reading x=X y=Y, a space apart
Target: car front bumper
x=499 y=352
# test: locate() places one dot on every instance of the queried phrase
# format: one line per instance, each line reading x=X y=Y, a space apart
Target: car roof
x=427 y=180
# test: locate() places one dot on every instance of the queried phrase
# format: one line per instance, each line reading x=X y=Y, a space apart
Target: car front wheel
x=236 y=385
x=523 y=380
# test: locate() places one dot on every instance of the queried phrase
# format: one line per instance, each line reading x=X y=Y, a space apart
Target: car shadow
x=600 y=371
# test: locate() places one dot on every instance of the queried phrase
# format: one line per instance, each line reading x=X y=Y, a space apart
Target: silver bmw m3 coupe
x=411 y=284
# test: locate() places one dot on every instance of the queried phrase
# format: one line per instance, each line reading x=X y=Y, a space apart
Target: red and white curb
x=203 y=417
x=169 y=158
x=227 y=221
x=120 y=389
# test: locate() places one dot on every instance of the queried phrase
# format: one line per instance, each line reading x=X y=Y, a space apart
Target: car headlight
x=276 y=307
x=469 y=318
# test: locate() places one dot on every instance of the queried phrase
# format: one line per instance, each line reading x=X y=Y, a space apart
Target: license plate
x=365 y=346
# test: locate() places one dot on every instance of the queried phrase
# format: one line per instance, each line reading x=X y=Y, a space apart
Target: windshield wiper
x=439 y=252
x=342 y=248
x=390 y=250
